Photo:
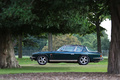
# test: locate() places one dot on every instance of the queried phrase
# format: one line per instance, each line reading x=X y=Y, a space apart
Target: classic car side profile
x=68 y=53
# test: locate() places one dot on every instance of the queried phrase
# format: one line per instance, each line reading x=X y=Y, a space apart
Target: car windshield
x=61 y=48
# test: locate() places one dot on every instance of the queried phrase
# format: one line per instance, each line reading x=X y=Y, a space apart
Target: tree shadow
x=44 y=69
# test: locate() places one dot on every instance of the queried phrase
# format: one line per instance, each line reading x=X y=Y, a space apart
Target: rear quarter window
x=79 y=49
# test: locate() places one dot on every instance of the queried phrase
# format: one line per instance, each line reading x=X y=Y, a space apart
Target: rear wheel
x=42 y=60
x=83 y=60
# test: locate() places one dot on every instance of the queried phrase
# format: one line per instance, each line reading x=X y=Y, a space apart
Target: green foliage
x=90 y=40
x=61 y=40
x=40 y=16
x=105 y=43
x=32 y=43
x=60 y=16
x=98 y=10
x=16 y=13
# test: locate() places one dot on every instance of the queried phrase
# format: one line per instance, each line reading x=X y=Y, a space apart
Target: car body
x=68 y=53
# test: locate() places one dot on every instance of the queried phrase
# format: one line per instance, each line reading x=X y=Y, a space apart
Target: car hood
x=96 y=52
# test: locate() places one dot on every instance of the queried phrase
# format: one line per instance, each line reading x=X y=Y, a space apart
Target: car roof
x=75 y=45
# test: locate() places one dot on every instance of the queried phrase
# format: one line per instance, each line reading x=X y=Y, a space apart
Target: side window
x=79 y=49
x=69 y=48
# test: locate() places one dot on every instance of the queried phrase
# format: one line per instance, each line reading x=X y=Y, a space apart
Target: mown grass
x=29 y=66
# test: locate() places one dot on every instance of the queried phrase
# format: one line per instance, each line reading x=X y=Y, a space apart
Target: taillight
x=100 y=55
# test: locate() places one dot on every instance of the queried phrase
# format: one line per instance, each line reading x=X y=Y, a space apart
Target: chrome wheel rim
x=84 y=60
x=42 y=60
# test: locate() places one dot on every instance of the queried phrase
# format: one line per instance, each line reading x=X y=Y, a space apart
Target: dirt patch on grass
x=60 y=76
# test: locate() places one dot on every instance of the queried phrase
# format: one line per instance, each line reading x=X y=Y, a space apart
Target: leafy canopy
x=40 y=16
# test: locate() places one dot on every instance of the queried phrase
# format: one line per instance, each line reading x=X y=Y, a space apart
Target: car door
x=78 y=52
x=74 y=54
x=65 y=54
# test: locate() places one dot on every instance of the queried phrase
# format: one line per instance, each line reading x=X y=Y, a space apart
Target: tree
x=23 y=17
x=12 y=17
x=20 y=47
x=97 y=13
x=7 y=56
x=61 y=40
x=90 y=40
x=114 y=53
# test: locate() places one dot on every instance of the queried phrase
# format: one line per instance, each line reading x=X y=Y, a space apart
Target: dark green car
x=68 y=53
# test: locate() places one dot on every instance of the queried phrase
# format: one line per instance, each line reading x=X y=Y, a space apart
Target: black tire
x=42 y=60
x=83 y=60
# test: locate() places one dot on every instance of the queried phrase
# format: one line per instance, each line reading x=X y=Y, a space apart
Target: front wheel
x=42 y=60
x=83 y=60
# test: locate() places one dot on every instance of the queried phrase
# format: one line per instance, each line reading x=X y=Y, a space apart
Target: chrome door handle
x=72 y=53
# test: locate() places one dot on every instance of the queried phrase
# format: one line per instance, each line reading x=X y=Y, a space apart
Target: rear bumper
x=32 y=58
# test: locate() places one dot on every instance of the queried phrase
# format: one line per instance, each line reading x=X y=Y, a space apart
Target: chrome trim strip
x=63 y=60
x=92 y=54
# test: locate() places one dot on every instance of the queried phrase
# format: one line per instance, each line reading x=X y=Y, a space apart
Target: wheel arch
x=43 y=55
x=83 y=55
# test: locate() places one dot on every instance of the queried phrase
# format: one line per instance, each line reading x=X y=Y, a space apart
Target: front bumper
x=98 y=58
x=32 y=58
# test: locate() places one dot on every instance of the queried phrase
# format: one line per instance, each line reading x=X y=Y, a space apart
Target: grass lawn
x=29 y=66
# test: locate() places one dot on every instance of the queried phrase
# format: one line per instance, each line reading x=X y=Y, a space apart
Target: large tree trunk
x=20 y=47
x=98 y=35
x=7 y=56
x=114 y=54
